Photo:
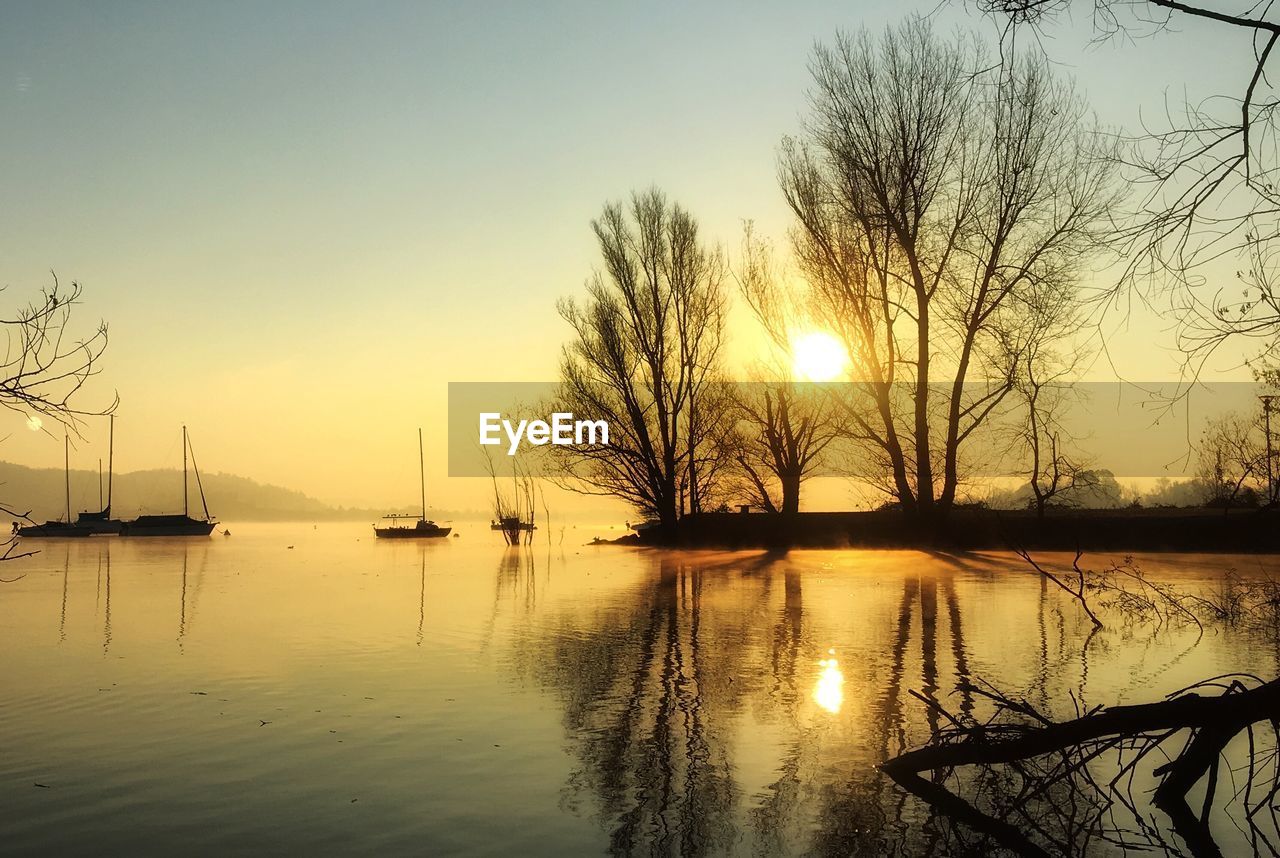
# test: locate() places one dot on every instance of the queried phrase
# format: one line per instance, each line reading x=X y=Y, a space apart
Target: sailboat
x=101 y=521
x=176 y=525
x=62 y=528
x=398 y=526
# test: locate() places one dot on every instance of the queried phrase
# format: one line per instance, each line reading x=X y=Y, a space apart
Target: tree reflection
x=646 y=705
x=858 y=811
x=655 y=686
x=698 y=720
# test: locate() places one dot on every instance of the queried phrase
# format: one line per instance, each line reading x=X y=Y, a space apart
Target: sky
x=302 y=220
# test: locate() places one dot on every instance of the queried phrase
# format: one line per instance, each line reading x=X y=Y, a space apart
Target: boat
x=175 y=524
x=62 y=529
x=512 y=523
x=398 y=527
x=101 y=521
x=167 y=525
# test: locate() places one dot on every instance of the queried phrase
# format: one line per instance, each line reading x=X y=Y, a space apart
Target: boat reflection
x=188 y=575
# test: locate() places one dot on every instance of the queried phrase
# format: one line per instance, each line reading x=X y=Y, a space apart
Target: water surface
x=308 y=689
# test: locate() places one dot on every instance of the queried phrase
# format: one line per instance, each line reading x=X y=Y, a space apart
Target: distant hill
x=231 y=498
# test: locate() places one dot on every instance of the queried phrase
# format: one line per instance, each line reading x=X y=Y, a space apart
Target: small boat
x=101 y=521
x=512 y=523
x=398 y=527
x=63 y=529
x=176 y=525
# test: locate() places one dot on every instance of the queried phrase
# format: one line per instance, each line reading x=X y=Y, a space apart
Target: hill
x=231 y=497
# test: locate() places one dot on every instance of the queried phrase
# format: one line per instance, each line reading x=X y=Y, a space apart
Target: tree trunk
x=668 y=520
x=790 y=494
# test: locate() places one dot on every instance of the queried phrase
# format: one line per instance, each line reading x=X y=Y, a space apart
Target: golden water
x=237 y=695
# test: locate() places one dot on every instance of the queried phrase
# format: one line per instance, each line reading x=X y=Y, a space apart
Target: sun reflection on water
x=829 y=692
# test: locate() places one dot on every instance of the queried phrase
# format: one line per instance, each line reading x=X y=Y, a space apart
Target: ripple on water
x=465 y=699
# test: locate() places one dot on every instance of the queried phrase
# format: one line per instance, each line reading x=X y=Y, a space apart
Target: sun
x=818 y=356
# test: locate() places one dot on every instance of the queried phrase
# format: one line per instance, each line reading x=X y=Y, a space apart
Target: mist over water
x=307 y=689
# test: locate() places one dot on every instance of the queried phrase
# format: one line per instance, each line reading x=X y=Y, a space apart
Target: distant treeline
x=42 y=491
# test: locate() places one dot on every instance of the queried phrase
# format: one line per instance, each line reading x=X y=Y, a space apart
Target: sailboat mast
x=422 y=475
x=184 y=469
x=195 y=469
x=111 y=452
x=66 y=453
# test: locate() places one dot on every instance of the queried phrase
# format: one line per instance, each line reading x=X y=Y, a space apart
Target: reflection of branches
x=1076 y=591
x=1126 y=590
x=1044 y=756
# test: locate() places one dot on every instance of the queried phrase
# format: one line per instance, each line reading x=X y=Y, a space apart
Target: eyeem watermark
x=562 y=431
x=1102 y=414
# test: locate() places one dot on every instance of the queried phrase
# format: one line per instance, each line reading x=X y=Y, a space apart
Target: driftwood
x=1232 y=712
x=1212 y=720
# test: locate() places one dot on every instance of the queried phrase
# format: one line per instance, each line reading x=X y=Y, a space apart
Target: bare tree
x=45 y=364
x=1232 y=461
x=514 y=513
x=645 y=357
x=712 y=444
x=785 y=426
x=1043 y=386
x=43 y=369
x=938 y=198
x=1210 y=179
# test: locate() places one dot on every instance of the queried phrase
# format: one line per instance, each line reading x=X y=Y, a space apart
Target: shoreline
x=1244 y=531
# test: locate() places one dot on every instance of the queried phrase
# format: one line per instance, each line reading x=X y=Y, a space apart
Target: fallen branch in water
x=1125 y=591
x=1081 y=584
x=1212 y=721
x=1015 y=742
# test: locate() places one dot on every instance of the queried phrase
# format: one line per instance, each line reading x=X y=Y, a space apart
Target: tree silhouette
x=942 y=203
x=45 y=366
x=1208 y=174
x=645 y=357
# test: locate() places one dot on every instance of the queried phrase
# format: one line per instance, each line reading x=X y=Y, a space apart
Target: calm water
x=315 y=691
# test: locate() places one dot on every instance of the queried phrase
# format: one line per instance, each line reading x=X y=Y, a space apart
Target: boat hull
x=105 y=528
x=411 y=532
x=167 y=525
x=54 y=530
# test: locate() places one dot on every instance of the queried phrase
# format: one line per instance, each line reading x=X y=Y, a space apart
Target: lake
x=307 y=689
